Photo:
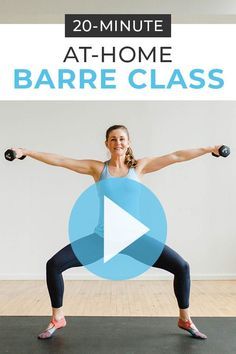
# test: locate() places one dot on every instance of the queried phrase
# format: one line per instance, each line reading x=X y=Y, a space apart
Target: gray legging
x=169 y=260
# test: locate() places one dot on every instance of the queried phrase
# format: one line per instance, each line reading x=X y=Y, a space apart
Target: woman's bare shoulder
x=98 y=167
x=140 y=164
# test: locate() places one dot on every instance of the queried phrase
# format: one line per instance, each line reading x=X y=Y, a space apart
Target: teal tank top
x=106 y=174
x=130 y=194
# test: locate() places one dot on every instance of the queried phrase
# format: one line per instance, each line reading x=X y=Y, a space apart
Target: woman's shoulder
x=140 y=164
x=142 y=160
x=98 y=167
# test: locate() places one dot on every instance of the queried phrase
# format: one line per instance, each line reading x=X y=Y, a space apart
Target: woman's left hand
x=215 y=149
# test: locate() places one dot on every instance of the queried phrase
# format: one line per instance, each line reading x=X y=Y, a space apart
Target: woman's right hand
x=19 y=152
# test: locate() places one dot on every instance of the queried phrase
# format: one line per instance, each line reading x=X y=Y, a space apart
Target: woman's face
x=117 y=142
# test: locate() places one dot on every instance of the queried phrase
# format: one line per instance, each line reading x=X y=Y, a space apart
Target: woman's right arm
x=88 y=167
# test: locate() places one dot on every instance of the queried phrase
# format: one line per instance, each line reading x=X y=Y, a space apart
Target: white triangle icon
x=120 y=229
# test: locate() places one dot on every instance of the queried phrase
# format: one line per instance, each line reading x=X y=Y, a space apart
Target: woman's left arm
x=152 y=164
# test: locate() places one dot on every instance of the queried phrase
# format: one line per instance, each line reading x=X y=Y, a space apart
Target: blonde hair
x=129 y=155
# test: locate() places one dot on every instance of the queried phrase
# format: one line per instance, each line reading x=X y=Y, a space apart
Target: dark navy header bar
x=118 y=25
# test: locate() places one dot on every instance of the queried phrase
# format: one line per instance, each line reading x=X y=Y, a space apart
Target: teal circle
x=86 y=228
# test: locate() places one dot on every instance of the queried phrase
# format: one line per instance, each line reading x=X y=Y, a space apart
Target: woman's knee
x=181 y=268
x=52 y=264
x=185 y=267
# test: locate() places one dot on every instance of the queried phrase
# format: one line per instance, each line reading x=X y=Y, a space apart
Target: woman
x=121 y=164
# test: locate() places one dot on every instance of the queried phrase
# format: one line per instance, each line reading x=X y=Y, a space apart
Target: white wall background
x=199 y=196
x=183 y=11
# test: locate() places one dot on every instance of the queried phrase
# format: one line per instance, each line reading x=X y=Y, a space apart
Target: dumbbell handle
x=224 y=151
x=10 y=155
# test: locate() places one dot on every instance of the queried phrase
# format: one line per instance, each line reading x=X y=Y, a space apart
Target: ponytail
x=129 y=158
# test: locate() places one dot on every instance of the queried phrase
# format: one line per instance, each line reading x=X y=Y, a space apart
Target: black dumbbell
x=10 y=155
x=224 y=151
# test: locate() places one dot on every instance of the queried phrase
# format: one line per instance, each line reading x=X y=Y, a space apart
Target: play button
x=117 y=228
x=120 y=229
